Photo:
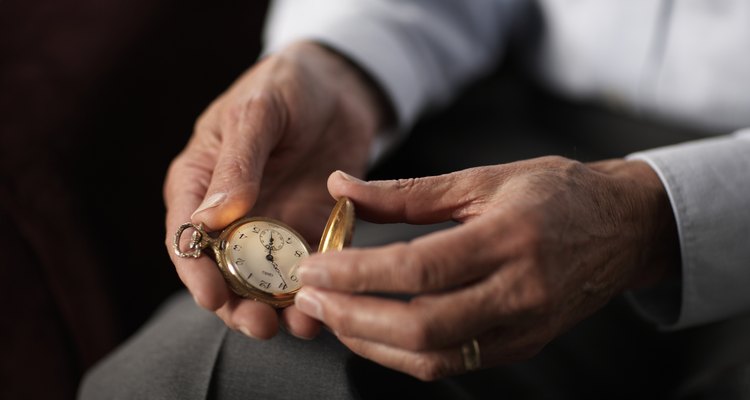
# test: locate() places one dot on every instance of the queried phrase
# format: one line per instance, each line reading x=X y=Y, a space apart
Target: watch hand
x=269 y=256
x=278 y=271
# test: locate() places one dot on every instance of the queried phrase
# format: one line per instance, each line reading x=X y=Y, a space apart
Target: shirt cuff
x=355 y=31
x=708 y=184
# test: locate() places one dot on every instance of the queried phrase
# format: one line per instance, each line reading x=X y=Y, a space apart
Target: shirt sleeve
x=708 y=183
x=420 y=52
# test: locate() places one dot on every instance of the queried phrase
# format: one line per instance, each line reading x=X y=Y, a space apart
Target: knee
x=170 y=357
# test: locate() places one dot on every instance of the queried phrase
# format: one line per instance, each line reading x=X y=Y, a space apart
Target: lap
x=172 y=356
x=188 y=353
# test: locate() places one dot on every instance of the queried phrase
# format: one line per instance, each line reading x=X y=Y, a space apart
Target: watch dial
x=266 y=255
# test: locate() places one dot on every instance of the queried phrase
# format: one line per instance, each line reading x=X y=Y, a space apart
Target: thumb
x=235 y=182
x=424 y=200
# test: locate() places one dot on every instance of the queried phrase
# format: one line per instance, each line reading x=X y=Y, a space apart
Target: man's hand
x=268 y=144
x=543 y=244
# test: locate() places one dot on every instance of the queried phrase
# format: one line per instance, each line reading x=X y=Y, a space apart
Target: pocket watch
x=259 y=256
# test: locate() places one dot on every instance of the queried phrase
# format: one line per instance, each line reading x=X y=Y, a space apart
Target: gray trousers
x=185 y=352
x=175 y=355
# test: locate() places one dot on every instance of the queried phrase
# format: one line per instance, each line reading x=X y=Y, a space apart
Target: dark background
x=96 y=98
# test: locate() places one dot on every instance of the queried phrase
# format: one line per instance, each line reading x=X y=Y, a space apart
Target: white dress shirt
x=687 y=61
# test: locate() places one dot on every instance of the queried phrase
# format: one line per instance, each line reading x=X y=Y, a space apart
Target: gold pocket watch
x=259 y=256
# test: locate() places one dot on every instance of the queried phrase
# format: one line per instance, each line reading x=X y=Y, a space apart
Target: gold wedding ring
x=470 y=353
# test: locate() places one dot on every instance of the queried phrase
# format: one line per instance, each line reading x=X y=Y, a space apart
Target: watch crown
x=195 y=240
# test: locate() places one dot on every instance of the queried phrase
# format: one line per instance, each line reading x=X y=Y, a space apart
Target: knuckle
x=429 y=368
x=572 y=170
x=554 y=160
x=531 y=237
x=234 y=166
x=235 y=113
x=565 y=167
x=538 y=300
x=418 y=334
x=554 y=163
x=427 y=268
x=405 y=184
x=532 y=298
x=423 y=277
x=357 y=276
x=407 y=187
x=203 y=123
x=420 y=275
x=341 y=322
x=264 y=104
x=411 y=192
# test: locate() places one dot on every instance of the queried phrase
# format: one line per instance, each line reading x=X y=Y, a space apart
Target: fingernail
x=309 y=305
x=350 y=178
x=301 y=337
x=247 y=332
x=210 y=202
x=284 y=327
x=314 y=276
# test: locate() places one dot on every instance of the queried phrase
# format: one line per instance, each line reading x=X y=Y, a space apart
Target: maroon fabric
x=96 y=97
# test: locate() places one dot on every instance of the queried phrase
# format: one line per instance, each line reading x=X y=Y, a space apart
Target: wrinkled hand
x=268 y=144
x=543 y=243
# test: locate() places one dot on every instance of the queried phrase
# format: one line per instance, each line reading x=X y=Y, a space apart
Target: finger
x=254 y=319
x=496 y=347
x=183 y=192
x=427 y=366
x=424 y=323
x=438 y=261
x=300 y=324
x=419 y=200
x=250 y=129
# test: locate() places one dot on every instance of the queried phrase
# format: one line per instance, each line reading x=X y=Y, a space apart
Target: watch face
x=265 y=254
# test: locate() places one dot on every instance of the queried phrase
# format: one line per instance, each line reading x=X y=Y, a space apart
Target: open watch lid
x=339 y=228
